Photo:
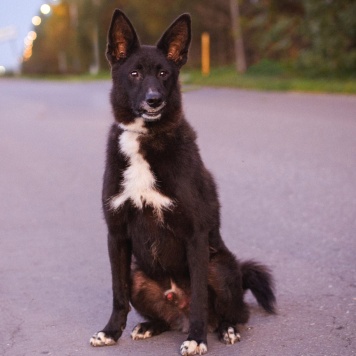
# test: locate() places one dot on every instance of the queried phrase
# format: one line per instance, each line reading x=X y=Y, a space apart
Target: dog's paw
x=229 y=336
x=191 y=347
x=100 y=339
x=141 y=331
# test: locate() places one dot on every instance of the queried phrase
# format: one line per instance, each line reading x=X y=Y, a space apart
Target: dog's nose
x=153 y=99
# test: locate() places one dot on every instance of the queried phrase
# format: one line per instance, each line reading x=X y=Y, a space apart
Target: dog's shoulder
x=115 y=163
x=112 y=136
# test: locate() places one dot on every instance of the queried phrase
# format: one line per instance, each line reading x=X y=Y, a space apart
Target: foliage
x=260 y=80
x=53 y=37
x=330 y=35
x=316 y=37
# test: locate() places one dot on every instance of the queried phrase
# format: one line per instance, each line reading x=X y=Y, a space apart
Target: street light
x=45 y=9
x=32 y=35
x=36 y=20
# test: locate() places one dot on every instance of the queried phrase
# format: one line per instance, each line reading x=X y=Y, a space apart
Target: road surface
x=285 y=164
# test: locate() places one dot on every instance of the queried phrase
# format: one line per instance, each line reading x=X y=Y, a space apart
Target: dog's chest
x=139 y=184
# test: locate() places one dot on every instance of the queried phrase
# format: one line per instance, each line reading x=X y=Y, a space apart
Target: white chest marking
x=139 y=184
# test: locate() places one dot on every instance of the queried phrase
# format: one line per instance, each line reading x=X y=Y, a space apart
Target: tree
x=237 y=36
x=317 y=36
x=330 y=37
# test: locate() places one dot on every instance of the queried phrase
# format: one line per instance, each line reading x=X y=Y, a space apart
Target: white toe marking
x=192 y=348
x=100 y=339
x=139 y=184
x=147 y=334
x=136 y=335
x=135 y=332
x=202 y=348
x=230 y=337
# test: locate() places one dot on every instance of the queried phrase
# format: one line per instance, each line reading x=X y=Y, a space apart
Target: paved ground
x=286 y=169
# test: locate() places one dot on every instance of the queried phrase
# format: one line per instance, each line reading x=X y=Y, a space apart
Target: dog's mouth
x=151 y=114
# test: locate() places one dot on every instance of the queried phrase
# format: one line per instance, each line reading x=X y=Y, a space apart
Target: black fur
x=174 y=268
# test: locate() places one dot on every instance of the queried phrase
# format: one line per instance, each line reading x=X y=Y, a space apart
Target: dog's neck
x=137 y=126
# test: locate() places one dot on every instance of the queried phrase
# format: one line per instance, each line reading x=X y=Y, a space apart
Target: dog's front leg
x=198 y=260
x=120 y=260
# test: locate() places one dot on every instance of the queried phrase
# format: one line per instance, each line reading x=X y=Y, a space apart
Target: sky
x=17 y=15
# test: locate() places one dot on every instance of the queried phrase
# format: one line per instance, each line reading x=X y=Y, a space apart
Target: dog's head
x=145 y=78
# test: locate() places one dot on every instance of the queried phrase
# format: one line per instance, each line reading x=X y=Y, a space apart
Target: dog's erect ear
x=176 y=40
x=122 y=38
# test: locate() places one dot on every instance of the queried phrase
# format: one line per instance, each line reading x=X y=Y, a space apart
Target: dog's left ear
x=176 y=40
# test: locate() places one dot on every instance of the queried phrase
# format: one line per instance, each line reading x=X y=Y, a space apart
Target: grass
x=267 y=75
x=104 y=75
x=272 y=80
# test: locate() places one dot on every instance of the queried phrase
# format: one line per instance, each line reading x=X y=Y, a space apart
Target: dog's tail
x=259 y=280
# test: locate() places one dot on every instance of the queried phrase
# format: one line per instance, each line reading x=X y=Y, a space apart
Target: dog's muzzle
x=152 y=106
x=149 y=114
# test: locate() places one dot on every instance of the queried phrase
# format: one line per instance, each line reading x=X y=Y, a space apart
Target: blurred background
x=313 y=38
x=285 y=165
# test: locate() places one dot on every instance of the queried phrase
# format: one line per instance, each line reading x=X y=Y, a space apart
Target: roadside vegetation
x=266 y=75
x=270 y=76
x=296 y=45
x=316 y=38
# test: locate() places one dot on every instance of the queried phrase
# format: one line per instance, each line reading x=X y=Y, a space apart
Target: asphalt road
x=285 y=165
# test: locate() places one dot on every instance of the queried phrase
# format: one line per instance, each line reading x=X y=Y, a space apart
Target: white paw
x=230 y=336
x=100 y=339
x=138 y=334
x=192 y=348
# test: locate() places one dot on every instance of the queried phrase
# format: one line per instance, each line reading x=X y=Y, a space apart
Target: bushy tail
x=259 y=280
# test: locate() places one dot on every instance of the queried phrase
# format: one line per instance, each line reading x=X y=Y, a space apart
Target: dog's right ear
x=122 y=38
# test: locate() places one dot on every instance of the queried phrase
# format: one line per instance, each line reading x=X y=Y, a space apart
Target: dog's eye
x=163 y=73
x=134 y=74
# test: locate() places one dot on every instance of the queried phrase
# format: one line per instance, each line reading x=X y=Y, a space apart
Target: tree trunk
x=237 y=34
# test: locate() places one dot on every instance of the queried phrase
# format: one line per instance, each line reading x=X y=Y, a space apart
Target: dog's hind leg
x=163 y=304
x=227 y=306
x=148 y=329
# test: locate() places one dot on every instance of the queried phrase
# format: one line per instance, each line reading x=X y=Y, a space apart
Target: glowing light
x=2 y=70
x=27 y=54
x=32 y=35
x=27 y=42
x=45 y=9
x=36 y=20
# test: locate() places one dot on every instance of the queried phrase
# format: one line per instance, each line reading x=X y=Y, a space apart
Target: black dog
x=161 y=206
